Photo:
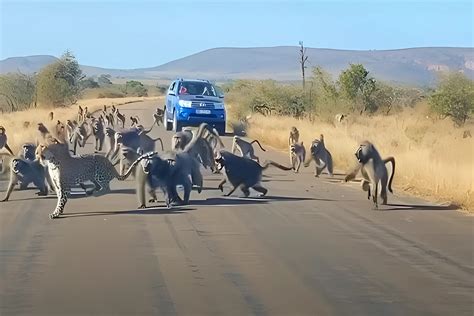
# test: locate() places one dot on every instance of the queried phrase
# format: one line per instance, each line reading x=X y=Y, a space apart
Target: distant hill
x=417 y=66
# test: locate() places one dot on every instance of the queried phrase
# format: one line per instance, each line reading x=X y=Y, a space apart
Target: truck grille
x=201 y=104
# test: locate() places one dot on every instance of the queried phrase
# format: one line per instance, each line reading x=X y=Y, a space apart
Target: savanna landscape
x=121 y=192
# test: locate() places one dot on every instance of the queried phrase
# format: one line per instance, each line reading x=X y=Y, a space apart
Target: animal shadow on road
x=415 y=207
x=145 y=211
x=226 y=201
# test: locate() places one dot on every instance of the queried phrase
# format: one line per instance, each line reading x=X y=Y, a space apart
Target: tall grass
x=433 y=159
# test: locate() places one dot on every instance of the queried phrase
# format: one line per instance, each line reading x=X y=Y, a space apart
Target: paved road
x=311 y=247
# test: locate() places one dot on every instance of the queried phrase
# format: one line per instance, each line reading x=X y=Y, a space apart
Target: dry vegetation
x=17 y=134
x=433 y=158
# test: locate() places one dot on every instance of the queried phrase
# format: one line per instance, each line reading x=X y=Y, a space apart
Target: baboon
x=321 y=156
x=297 y=155
x=134 y=120
x=199 y=146
x=158 y=115
x=43 y=131
x=70 y=126
x=294 y=136
x=51 y=116
x=167 y=171
x=340 y=117
x=373 y=170
x=26 y=124
x=24 y=172
x=245 y=148
x=180 y=139
x=242 y=172
x=4 y=139
x=80 y=114
x=120 y=117
x=98 y=132
x=110 y=119
x=61 y=132
x=85 y=114
x=79 y=136
x=109 y=142
x=27 y=152
x=132 y=142
x=105 y=109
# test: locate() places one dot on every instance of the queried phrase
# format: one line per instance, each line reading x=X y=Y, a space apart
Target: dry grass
x=18 y=135
x=433 y=159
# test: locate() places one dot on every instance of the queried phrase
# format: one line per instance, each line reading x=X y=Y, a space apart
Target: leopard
x=67 y=171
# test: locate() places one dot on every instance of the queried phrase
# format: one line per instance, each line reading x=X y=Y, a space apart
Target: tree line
x=354 y=91
x=60 y=83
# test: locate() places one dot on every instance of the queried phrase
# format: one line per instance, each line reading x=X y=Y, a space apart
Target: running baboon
x=245 y=148
x=109 y=142
x=321 y=156
x=242 y=172
x=297 y=155
x=373 y=170
x=134 y=120
x=294 y=136
x=4 y=140
x=158 y=115
x=24 y=172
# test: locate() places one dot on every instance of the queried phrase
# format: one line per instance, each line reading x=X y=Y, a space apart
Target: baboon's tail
x=268 y=163
x=161 y=142
x=122 y=177
x=256 y=141
x=392 y=160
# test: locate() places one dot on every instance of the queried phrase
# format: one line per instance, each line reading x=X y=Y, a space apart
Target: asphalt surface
x=311 y=247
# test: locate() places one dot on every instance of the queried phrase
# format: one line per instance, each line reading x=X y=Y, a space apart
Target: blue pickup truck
x=192 y=102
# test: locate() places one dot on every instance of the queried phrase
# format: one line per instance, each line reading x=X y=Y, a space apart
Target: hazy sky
x=144 y=33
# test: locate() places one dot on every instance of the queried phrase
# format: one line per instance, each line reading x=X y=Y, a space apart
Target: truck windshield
x=197 y=88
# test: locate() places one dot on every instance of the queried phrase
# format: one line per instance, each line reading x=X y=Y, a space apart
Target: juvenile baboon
x=4 y=139
x=373 y=170
x=245 y=148
x=321 y=156
x=242 y=172
x=51 y=116
x=297 y=155
x=294 y=136
x=134 y=120
x=24 y=172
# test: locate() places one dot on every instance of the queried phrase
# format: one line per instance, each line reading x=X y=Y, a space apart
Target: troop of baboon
x=52 y=164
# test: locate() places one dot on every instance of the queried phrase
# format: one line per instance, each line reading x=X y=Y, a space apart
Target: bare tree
x=303 y=60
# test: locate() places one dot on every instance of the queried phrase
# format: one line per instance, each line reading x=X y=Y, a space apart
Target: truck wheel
x=176 y=124
x=221 y=129
x=166 y=124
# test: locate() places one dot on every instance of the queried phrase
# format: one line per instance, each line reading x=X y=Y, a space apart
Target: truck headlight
x=219 y=105
x=184 y=103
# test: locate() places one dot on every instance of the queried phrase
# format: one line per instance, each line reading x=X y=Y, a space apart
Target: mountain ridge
x=417 y=65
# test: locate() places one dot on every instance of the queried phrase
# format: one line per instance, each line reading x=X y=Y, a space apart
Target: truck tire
x=177 y=125
x=166 y=124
